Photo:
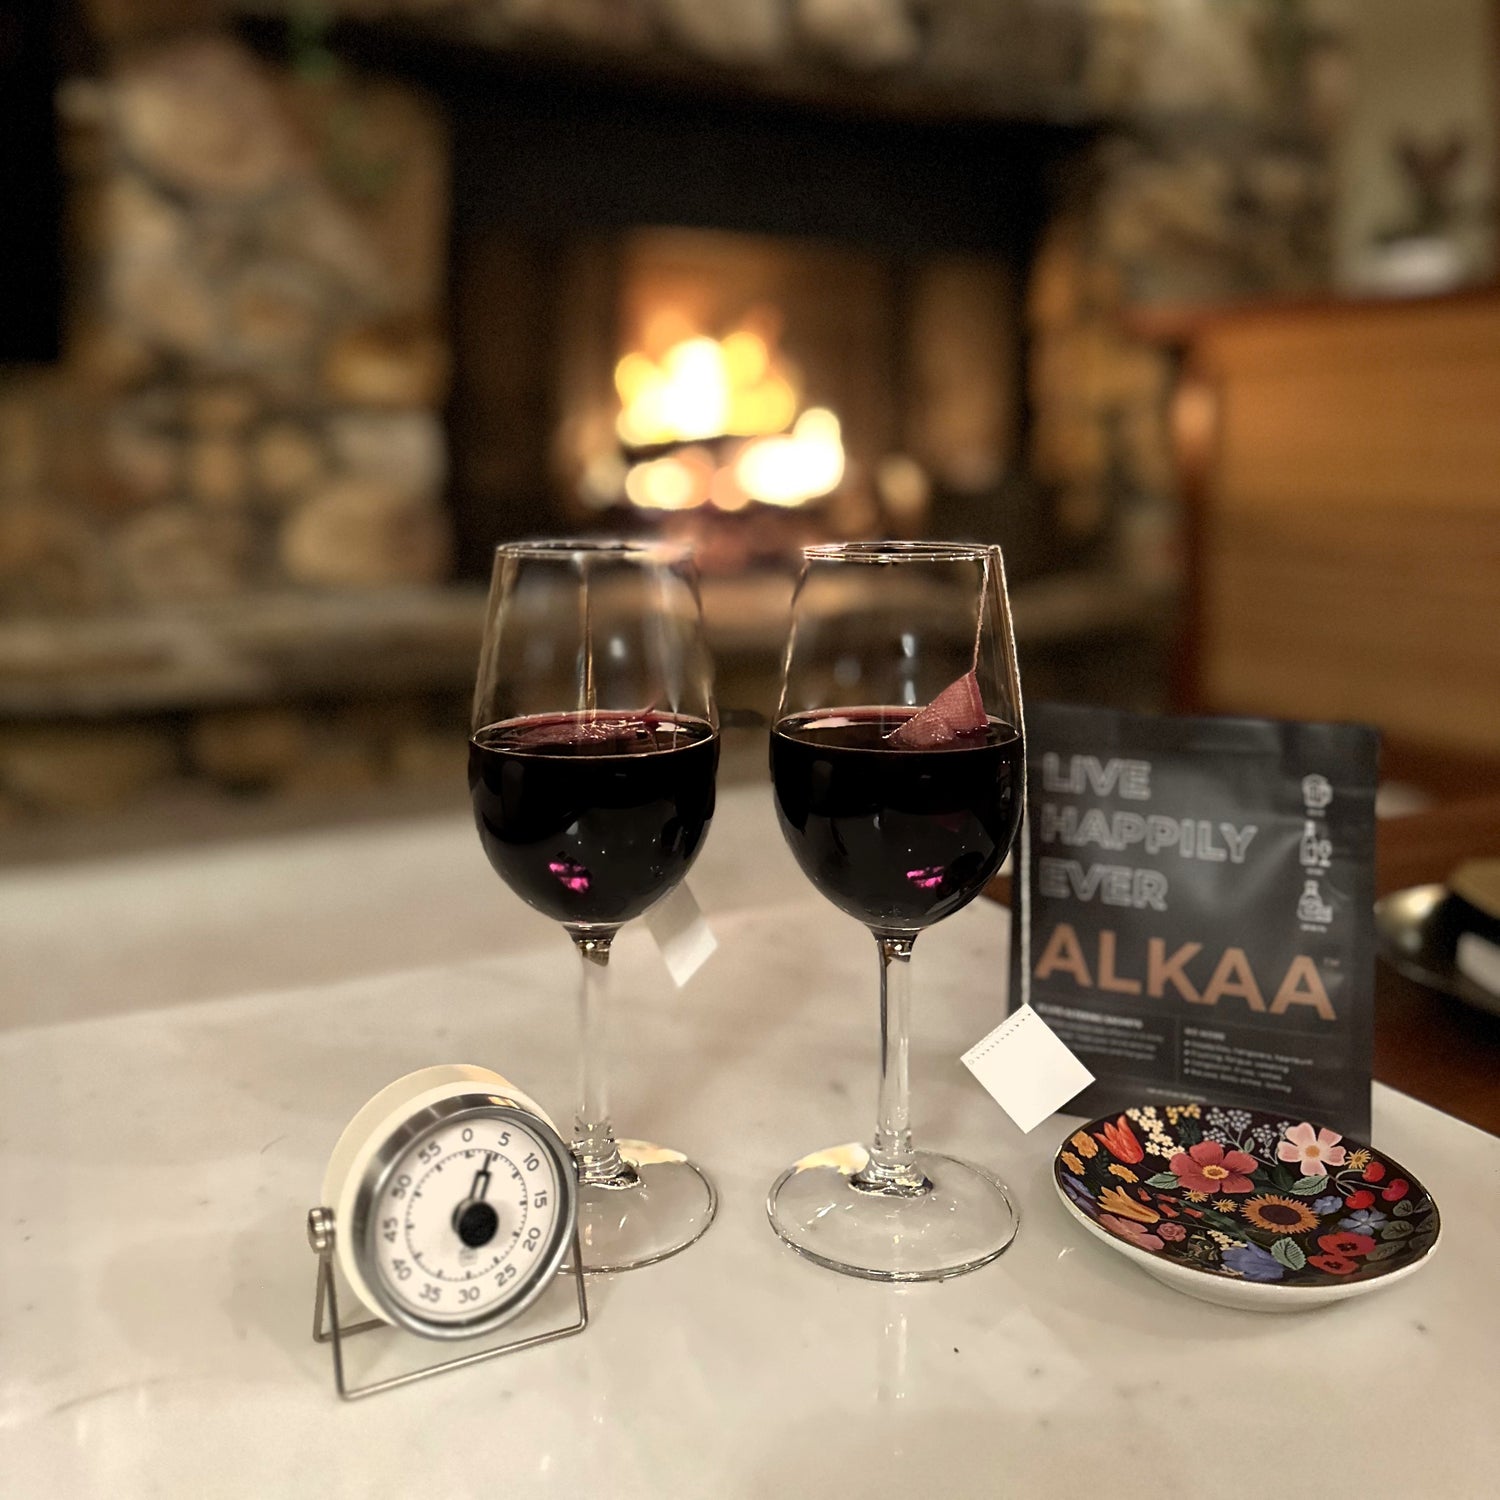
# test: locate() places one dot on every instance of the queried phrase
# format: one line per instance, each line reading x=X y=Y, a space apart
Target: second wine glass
x=591 y=768
x=897 y=763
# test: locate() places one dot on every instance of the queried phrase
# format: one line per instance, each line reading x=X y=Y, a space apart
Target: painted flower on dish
x=1253 y=1263
x=1117 y=1201
x=1080 y=1195
x=1131 y=1232
x=1346 y=1244
x=1359 y=1160
x=1120 y=1140
x=1226 y=1123
x=1311 y=1149
x=1171 y=1231
x=1083 y=1143
x=1279 y=1215
x=1366 y=1221
x=1329 y=1205
x=1225 y=1205
x=1124 y=1173
x=1335 y=1265
x=1075 y=1166
x=1150 y=1126
x=1209 y=1168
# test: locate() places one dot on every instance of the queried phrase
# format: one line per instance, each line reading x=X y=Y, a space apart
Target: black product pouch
x=1200 y=896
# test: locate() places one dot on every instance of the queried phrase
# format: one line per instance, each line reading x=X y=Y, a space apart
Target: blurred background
x=1190 y=304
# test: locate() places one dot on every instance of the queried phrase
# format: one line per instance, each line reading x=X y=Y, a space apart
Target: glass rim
x=646 y=549
x=885 y=552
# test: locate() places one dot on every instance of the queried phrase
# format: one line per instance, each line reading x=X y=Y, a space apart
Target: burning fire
x=703 y=391
x=704 y=388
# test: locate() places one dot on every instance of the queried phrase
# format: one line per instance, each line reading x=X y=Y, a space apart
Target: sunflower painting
x=1245 y=1194
x=1279 y=1215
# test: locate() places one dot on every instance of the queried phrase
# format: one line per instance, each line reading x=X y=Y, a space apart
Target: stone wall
x=254 y=367
x=1119 y=60
x=79 y=769
x=249 y=403
x=1152 y=220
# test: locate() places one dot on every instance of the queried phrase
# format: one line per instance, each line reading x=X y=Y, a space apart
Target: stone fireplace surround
x=222 y=513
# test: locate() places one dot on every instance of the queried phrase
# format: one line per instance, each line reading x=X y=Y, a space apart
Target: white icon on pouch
x=1311 y=907
x=1316 y=853
x=1317 y=792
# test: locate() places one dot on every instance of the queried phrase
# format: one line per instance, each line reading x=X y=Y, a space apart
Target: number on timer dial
x=462 y=1217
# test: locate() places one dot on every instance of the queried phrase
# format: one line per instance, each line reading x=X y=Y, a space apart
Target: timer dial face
x=467 y=1219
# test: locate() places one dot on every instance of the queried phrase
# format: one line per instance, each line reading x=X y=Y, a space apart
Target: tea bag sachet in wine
x=956 y=713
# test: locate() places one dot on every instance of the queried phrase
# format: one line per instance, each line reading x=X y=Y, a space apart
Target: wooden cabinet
x=1342 y=468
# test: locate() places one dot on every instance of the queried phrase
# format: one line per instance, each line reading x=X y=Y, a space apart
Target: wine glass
x=591 y=768
x=897 y=762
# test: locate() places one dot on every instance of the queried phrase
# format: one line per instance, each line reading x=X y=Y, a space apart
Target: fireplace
x=755 y=323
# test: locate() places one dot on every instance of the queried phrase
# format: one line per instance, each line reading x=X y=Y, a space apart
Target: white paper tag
x=1026 y=1068
x=681 y=933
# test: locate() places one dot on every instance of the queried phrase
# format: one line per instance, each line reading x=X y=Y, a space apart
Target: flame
x=704 y=389
x=785 y=470
x=677 y=482
x=791 y=470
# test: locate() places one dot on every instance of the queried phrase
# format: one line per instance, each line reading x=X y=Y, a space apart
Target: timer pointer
x=475 y=1221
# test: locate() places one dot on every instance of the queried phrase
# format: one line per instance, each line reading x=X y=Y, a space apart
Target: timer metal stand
x=321 y=1230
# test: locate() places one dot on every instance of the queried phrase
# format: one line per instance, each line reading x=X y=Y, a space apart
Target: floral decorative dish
x=1245 y=1208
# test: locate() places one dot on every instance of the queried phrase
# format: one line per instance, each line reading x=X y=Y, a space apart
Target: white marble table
x=185 y=1033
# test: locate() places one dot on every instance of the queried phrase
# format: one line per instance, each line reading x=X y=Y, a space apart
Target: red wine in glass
x=898 y=837
x=591 y=818
x=898 y=815
x=592 y=754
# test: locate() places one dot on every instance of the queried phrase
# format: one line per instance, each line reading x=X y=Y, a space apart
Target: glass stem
x=892 y=1165
x=594 y=1150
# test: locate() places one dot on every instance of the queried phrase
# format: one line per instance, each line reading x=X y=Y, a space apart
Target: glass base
x=661 y=1204
x=964 y=1218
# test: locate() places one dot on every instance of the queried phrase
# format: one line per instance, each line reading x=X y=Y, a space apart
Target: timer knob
x=476 y=1223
